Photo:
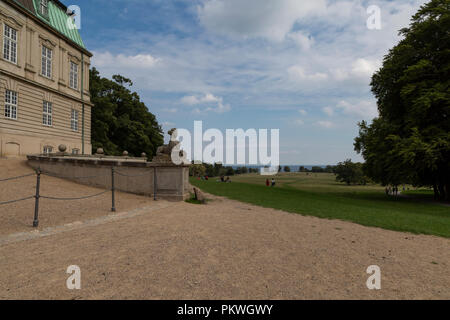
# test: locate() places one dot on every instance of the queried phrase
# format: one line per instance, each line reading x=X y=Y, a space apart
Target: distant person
x=387 y=191
x=228 y=180
x=206 y=178
x=222 y=178
x=273 y=182
x=267 y=183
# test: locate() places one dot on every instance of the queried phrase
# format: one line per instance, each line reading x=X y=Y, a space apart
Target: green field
x=321 y=196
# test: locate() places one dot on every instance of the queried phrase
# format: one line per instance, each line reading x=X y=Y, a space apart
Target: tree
x=197 y=170
x=317 y=169
x=120 y=121
x=329 y=169
x=229 y=171
x=410 y=140
x=349 y=172
x=287 y=169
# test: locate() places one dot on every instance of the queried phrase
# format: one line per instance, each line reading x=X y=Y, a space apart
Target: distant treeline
x=218 y=170
x=347 y=171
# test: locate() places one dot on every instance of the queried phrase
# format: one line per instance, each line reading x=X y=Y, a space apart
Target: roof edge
x=20 y=8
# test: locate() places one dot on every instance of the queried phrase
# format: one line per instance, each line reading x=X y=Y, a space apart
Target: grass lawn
x=321 y=196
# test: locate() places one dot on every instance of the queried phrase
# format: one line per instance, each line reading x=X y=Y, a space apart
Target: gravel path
x=225 y=250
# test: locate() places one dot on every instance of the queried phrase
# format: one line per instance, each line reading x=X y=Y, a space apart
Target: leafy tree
x=410 y=140
x=329 y=169
x=197 y=170
x=349 y=172
x=229 y=171
x=120 y=121
x=287 y=169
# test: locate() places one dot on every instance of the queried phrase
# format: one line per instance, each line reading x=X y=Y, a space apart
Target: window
x=47 y=62
x=48 y=149
x=75 y=151
x=47 y=119
x=73 y=77
x=74 y=120
x=10 y=44
x=11 y=104
x=44 y=7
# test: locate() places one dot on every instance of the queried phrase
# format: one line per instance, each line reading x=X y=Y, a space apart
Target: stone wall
x=132 y=175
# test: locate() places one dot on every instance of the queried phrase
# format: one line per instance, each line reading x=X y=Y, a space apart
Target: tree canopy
x=410 y=140
x=120 y=120
x=349 y=172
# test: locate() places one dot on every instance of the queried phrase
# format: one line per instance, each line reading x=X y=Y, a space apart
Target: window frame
x=74 y=120
x=73 y=75
x=8 y=39
x=47 y=116
x=46 y=62
x=10 y=107
x=47 y=150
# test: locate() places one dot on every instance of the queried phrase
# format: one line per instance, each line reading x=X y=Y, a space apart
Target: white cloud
x=298 y=73
x=325 y=124
x=365 y=67
x=361 y=68
x=299 y=122
x=105 y=59
x=207 y=98
x=271 y=19
x=303 y=112
x=329 y=111
x=303 y=40
x=170 y=110
x=363 y=108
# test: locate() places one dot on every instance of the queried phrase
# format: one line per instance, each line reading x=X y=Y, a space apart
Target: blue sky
x=301 y=66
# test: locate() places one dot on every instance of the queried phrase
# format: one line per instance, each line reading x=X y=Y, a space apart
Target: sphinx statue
x=165 y=153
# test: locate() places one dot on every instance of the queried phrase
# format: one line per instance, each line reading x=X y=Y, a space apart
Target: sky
x=301 y=66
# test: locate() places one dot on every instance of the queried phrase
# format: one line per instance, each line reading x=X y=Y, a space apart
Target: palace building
x=44 y=80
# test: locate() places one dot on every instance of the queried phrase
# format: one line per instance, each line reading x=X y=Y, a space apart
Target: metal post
x=36 y=204
x=113 y=208
x=155 y=184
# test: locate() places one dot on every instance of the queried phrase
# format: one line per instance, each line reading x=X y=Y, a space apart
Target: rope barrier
x=74 y=199
x=67 y=177
x=14 y=201
x=19 y=177
x=37 y=197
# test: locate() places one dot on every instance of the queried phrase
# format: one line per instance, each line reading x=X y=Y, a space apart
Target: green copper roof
x=57 y=18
